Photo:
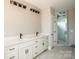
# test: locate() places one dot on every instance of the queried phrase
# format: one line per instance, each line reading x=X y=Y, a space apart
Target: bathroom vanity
x=28 y=47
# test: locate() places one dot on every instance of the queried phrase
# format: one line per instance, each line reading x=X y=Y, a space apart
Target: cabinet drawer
x=35 y=47
x=34 y=54
x=35 y=50
x=12 y=56
x=11 y=49
x=44 y=45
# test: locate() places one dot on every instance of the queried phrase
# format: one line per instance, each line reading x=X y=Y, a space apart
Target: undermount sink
x=31 y=36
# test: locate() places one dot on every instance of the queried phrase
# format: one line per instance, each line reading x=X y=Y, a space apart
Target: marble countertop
x=25 y=38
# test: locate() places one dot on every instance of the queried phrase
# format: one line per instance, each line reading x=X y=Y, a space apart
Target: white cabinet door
x=40 y=45
x=44 y=44
x=25 y=53
x=37 y=48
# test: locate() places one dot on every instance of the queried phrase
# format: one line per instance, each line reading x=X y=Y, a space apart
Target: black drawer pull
x=43 y=43
x=12 y=57
x=26 y=51
x=36 y=46
x=52 y=34
x=11 y=49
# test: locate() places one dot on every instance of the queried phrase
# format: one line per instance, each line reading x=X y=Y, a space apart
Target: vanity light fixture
x=34 y=10
x=11 y=1
x=24 y=6
x=20 y=5
x=15 y=3
x=38 y=12
x=31 y=9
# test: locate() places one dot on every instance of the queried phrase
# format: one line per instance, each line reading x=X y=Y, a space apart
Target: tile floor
x=58 y=53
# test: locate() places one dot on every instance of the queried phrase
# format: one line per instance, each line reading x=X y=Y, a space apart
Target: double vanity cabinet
x=25 y=48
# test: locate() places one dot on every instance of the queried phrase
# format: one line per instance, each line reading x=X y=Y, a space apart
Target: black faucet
x=21 y=35
x=37 y=33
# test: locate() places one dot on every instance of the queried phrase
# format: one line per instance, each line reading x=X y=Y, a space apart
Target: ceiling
x=42 y=4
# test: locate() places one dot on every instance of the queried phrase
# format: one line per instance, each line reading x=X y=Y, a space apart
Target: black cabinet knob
x=52 y=34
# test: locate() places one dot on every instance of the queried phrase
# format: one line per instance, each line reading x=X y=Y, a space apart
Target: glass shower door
x=62 y=32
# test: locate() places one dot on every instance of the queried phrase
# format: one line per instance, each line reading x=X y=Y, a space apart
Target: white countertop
x=25 y=38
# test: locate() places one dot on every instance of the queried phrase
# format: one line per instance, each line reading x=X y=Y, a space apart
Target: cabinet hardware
x=12 y=57
x=36 y=41
x=36 y=46
x=52 y=34
x=43 y=43
x=26 y=51
x=11 y=49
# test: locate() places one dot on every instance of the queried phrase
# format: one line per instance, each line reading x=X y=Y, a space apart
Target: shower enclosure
x=62 y=28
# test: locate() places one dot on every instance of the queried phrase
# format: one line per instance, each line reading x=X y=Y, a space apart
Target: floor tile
x=58 y=53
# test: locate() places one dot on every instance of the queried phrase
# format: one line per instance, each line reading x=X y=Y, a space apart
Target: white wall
x=48 y=17
x=46 y=21
x=17 y=20
x=71 y=18
x=47 y=24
